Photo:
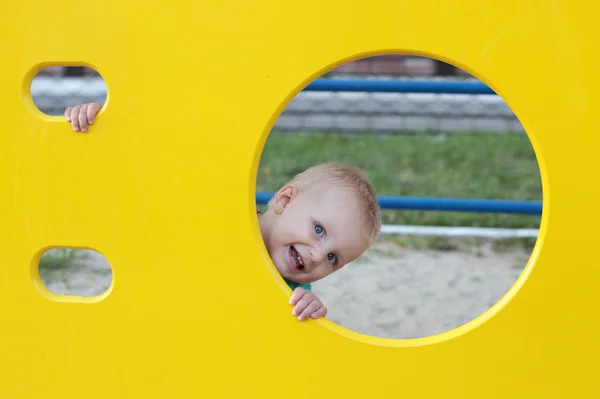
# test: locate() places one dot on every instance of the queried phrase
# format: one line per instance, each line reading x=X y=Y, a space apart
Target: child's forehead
x=332 y=195
x=335 y=205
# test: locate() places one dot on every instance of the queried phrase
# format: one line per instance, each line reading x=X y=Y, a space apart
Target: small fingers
x=311 y=308
x=320 y=312
x=83 y=120
x=297 y=295
x=92 y=110
x=81 y=116
x=306 y=306
x=74 y=118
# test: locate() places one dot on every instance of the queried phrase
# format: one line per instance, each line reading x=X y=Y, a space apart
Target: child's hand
x=82 y=115
x=306 y=304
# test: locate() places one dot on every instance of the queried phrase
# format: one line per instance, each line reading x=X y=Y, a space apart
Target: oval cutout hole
x=55 y=88
x=75 y=272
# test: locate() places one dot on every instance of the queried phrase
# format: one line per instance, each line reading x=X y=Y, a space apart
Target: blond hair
x=348 y=176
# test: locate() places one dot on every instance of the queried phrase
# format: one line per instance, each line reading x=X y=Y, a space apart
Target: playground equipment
x=196 y=309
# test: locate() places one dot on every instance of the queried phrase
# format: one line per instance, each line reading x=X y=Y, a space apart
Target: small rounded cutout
x=55 y=88
x=430 y=271
x=75 y=272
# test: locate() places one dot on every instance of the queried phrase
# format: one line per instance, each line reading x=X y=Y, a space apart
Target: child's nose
x=317 y=254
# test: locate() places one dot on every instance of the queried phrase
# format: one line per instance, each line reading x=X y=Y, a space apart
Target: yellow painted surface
x=164 y=187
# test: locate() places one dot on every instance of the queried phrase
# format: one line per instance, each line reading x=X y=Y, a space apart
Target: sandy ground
x=402 y=292
x=394 y=291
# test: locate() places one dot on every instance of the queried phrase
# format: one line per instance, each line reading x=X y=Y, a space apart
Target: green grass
x=478 y=166
x=57 y=259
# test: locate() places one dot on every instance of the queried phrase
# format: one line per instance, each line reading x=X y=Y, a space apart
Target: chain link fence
x=55 y=89
x=398 y=113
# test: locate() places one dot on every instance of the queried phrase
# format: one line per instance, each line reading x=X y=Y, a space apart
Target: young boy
x=321 y=220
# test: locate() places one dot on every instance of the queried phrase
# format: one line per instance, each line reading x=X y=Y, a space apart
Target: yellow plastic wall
x=164 y=183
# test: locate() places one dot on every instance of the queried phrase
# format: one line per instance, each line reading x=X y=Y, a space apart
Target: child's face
x=315 y=233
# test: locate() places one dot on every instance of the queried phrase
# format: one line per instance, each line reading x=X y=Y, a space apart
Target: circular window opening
x=439 y=148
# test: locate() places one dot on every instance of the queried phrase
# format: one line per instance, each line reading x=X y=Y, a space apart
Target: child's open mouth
x=297 y=260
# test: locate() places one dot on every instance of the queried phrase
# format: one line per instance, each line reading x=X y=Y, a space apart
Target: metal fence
x=53 y=94
x=398 y=106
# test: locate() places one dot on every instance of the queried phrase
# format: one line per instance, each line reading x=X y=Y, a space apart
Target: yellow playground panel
x=164 y=187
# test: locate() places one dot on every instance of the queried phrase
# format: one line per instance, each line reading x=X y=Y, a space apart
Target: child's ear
x=284 y=196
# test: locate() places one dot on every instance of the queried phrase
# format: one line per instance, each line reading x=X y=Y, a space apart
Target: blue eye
x=331 y=257
x=318 y=229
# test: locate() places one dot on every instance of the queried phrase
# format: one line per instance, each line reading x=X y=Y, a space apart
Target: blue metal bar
x=446 y=204
x=399 y=86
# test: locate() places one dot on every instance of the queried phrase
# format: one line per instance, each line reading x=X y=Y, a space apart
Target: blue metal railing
x=446 y=204
x=399 y=86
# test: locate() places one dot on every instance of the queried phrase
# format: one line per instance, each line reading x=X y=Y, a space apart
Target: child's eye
x=318 y=229
x=331 y=257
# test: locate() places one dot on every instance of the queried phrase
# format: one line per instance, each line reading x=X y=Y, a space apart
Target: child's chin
x=283 y=270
